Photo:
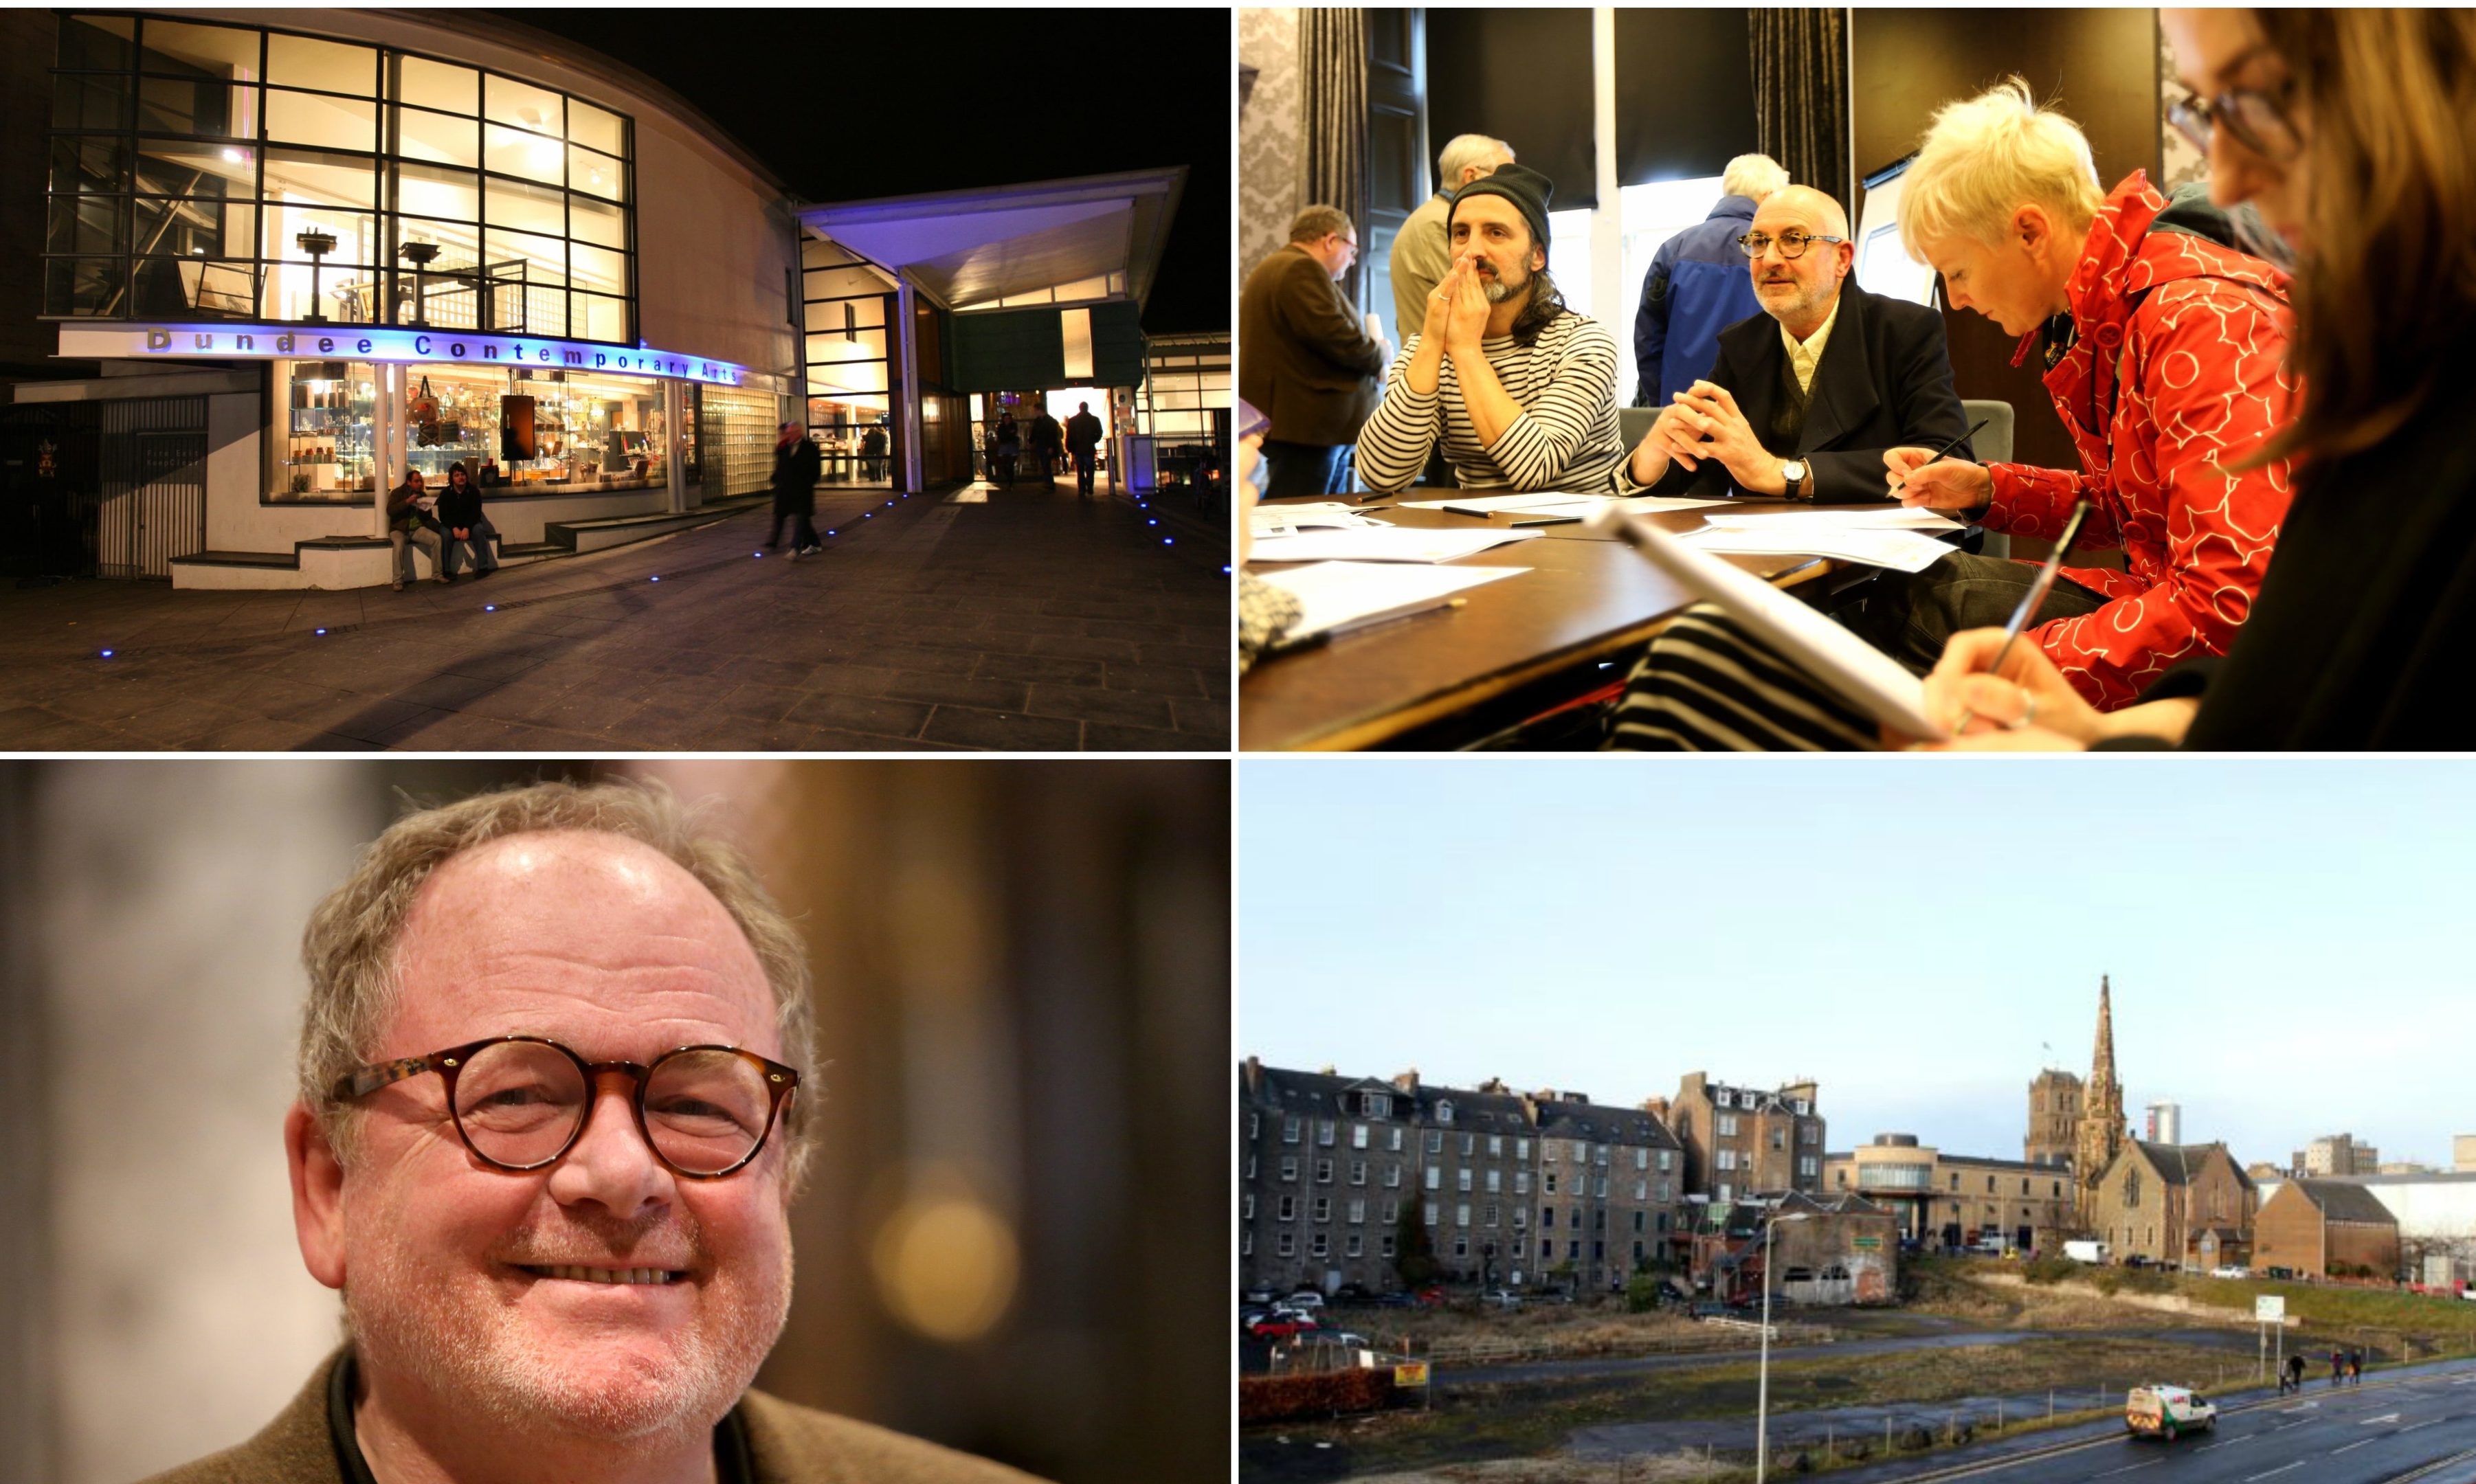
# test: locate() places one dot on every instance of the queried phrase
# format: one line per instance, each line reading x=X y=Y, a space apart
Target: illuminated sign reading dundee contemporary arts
x=220 y=342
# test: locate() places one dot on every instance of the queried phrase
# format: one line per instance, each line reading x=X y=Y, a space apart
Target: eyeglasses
x=519 y=1102
x=2253 y=119
x=1792 y=244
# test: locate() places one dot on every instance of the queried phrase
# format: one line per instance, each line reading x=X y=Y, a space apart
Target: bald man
x=1805 y=396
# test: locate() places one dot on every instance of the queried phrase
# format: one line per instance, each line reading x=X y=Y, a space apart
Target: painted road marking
x=2274 y=1472
x=2127 y=1469
x=2413 y=1426
x=2358 y=1443
x=2373 y=1422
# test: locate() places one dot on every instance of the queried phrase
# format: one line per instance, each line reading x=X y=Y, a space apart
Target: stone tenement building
x=1741 y=1140
x=1941 y=1199
x=1499 y=1182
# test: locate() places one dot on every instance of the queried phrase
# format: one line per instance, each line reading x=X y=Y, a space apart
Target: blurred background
x=1015 y=1239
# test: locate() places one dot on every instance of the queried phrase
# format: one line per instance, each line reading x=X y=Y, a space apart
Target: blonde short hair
x=349 y=946
x=1984 y=158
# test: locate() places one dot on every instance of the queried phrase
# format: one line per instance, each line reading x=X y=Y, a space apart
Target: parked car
x=1354 y=1292
x=1710 y=1308
x=1397 y=1298
x=2168 y=1411
x=1280 y=1326
x=1500 y=1299
x=2228 y=1270
x=1260 y=1298
x=1305 y=1298
x=2281 y=1273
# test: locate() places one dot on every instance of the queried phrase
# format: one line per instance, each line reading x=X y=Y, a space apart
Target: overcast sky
x=2287 y=939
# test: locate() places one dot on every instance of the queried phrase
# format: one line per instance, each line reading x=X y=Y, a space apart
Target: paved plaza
x=1017 y=619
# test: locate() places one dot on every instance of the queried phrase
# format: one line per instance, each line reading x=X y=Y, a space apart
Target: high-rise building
x=2164 y=1122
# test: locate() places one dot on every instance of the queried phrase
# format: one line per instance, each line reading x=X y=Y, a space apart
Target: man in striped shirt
x=1520 y=391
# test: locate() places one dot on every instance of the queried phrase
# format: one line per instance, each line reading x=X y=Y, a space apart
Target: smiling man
x=555 y=1068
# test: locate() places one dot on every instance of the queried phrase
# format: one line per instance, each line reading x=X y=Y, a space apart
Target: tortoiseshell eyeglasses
x=520 y=1101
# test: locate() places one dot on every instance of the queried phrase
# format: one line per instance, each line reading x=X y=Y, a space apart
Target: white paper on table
x=1342 y=595
x=1861 y=674
x=1656 y=505
x=1892 y=517
x=1266 y=519
x=1901 y=551
x=1391 y=543
x=1547 y=500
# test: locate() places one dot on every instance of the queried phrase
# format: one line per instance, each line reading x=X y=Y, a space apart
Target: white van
x=2168 y=1411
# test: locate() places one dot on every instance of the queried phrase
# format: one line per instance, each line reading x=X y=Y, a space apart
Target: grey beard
x=1495 y=289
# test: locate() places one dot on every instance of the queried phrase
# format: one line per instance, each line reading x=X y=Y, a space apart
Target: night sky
x=850 y=104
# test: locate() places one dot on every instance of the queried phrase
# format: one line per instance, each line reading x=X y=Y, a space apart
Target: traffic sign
x=2269 y=1309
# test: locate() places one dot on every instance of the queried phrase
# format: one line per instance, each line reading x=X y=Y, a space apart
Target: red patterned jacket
x=2176 y=371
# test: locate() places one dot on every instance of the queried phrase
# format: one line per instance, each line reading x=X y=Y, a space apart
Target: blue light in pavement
x=322 y=630
x=489 y=607
x=1169 y=541
x=755 y=553
x=1224 y=569
x=106 y=653
x=655 y=579
x=829 y=532
x=1152 y=523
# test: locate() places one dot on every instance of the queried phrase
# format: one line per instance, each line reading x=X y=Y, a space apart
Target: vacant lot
x=1517 y=1420
x=1553 y=1330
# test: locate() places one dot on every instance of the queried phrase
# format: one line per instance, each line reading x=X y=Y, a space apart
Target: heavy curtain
x=1332 y=69
x=1801 y=95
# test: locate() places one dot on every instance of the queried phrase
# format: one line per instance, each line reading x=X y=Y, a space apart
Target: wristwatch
x=1794 y=472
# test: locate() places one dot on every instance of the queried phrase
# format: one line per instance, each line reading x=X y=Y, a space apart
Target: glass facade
x=1186 y=381
x=554 y=433
x=848 y=315
x=201 y=171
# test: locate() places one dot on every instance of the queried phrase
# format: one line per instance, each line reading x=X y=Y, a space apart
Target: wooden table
x=1588 y=600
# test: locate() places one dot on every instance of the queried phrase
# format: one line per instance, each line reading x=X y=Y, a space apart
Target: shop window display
x=587 y=433
x=329 y=444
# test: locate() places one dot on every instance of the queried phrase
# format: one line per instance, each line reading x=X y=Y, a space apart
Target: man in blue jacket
x=1697 y=286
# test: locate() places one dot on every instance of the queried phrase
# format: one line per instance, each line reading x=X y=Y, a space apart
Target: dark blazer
x=1303 y=358
x=1885 y=381
x=459 y=512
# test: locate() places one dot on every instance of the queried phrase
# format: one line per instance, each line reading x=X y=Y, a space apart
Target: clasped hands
x=1704 y=421
x=1457 y=310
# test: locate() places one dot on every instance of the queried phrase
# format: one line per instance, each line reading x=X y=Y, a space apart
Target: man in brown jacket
x=555 y=1071
x=1303 y=358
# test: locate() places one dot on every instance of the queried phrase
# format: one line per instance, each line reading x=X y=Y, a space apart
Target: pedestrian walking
x=2356 y=1368
x=1046 y=438
x=2338 y=1367
x=1083 y=439
x=797 y=464
x=2295 y=1381
x=1010 y=446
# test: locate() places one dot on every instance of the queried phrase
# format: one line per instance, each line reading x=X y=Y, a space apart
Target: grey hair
x=349 y=948
x=1754 y=177
x=1319 y=221
x=1463 y=151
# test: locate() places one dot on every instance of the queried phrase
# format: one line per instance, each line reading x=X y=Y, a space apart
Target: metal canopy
x=975 y=247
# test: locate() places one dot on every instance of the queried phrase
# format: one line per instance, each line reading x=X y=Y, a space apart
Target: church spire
x=2102 y=1063
x=2101 y=1128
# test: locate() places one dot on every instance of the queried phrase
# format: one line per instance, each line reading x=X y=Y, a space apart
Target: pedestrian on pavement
x=1010 y=446
x=797 y=464
x=1305 y=357
x=872 y=454
x=1047 y=437
x=2338 y=1367
x=1083 y=439
x=2356 y=1368
x=2295 y=1381
x=408 y=523
x=460 y=510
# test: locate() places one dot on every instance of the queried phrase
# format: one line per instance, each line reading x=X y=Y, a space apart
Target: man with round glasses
x=555 y=1068
x=1805 y=396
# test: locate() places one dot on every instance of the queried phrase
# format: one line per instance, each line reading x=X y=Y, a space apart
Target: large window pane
x=84 y=224
x=192 y=288
x=421 y=135
x=527 y=208
x=544 y=259
x=594 y=317
x=172 y=104
x=309 y=118
x=89 y=102
x=196 y=228
x=435 y=84
x=94 y=162
x=847 y=377
x=829 y=282
x=356 y=235
x=596 y=175
x=180 y=167
x=306 y=62
x=83 y=286
x=428 y=190
x=597 y=268
x=842 y=346
x=594 y=128
x=833 y=316
x=328 y=180
x=514 y=151
x=96 y=41
x=186 y=50
x=591 y=221
x=507 y=101
x=458 y=244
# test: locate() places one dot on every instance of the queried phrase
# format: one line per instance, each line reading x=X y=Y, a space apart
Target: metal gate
x=154 y=485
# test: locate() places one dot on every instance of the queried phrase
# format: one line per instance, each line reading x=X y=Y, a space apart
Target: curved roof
x=976 y=247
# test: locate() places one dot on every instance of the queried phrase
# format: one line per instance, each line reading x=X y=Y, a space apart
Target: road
x=2386 y=1430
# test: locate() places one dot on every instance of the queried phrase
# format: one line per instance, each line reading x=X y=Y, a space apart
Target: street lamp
x=1763 y=1384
